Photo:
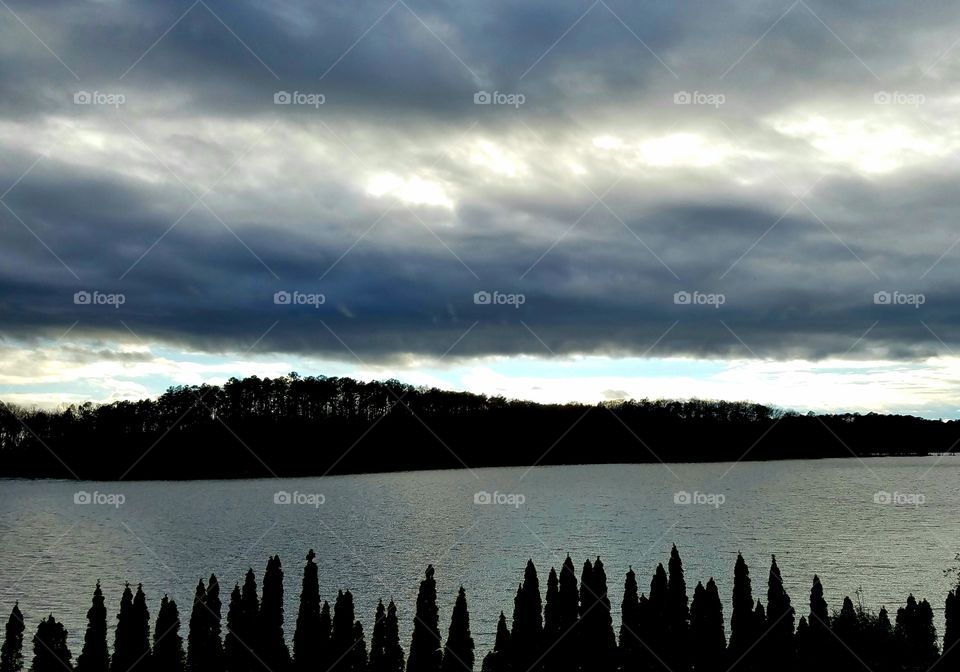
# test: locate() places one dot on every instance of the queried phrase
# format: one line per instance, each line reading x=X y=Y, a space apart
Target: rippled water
x=374 y=534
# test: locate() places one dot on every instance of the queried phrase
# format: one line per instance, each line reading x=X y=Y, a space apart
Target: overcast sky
x=553 y=200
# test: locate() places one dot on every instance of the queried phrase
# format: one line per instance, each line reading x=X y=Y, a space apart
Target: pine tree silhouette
x=306 y=637
x=631 y=647
x=644 y=634
x=357 y=655
x=140 y=636
x=759 y=657
x=11 y=653
x=917 y=638
x=657 y=638
x=780 y=617
x=242 y=632
x=587 y=645
x=678 y=614
x=846 y=628
x=342 y=639
x=950 y=660
x=587 y=598
x=882 y=645
x=242 y=636
x=597 y=641
x=458 y=653
x=234 y=656
x=819 y=616
x=425 y=650
x=167 y=643
x=324 y=646
x=197 y=637
x=566 y=653
x=526 y=635
x=707 y=638
x=378 y=641
x=124 y=637
x=603 y=620
x=817 y=647
x=212 y=614
x=742 y=618
x=95 y=657
x=805 y=653
x=551 y=621
x=272 y=650
x=392 y=649
x=497 y=660
x=50 y=650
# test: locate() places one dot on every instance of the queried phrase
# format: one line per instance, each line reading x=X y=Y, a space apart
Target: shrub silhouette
x=50 y=650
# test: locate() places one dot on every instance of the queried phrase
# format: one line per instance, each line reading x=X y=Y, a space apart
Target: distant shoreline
x=312 y=426
x=445 y=469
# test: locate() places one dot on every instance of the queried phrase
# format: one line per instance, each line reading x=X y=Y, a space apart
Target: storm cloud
x=371 y=180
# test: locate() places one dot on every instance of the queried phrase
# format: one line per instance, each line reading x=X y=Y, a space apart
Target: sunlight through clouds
x=414 y=190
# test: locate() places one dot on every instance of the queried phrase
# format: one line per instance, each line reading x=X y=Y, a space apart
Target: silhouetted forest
x=297 y=426
x=569 y=629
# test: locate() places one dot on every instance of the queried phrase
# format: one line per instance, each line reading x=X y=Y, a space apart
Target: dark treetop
x=301 y=426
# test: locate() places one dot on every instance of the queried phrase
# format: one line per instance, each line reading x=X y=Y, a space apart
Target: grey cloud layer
x=490 y=198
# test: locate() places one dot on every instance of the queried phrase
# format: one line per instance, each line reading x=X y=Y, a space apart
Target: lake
x=888 y=525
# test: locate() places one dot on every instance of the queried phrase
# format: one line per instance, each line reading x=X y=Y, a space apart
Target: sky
x=559 y=201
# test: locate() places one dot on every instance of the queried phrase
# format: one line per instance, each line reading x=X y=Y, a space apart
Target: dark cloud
x=287 y=204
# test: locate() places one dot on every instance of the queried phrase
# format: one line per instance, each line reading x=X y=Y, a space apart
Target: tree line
x=567 y=629
x=300 y=426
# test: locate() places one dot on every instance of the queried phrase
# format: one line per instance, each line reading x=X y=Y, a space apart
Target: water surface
x=375 y=534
